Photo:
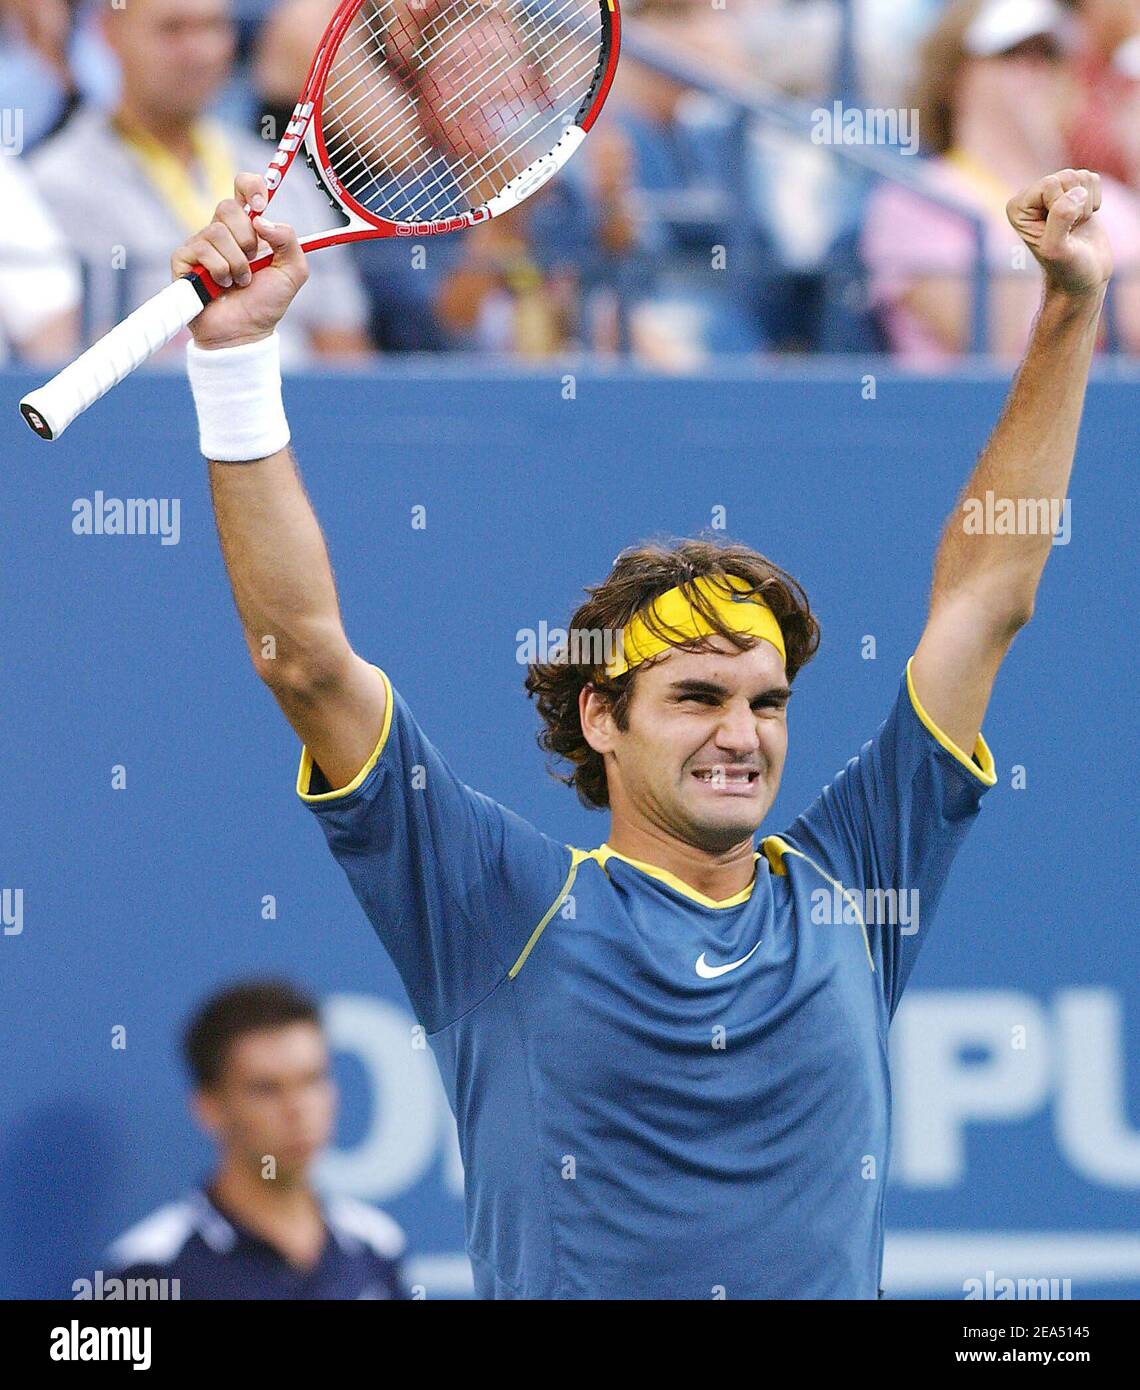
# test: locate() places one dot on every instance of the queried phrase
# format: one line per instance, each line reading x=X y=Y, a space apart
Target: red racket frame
x=307 y=111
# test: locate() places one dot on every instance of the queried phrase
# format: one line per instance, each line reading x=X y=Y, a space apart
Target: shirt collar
x=222 y=1232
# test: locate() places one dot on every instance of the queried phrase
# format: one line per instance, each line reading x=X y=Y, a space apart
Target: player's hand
x=1060 y=227
x=252 y=304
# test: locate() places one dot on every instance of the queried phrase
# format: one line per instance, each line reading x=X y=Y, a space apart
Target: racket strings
x=494 y=160
x=424 y=120
x=486 y=68
x=482 y=66
x=509 y=156
x=452 y=109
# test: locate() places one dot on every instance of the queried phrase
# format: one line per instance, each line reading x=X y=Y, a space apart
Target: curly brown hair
x=639 y=575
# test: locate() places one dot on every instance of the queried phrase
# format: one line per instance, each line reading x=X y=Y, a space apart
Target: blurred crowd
x=768 y=176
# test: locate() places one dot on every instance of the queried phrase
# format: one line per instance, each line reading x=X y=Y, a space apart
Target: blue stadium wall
x=1015 y=1152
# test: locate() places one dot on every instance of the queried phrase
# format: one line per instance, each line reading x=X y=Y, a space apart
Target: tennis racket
x=417 y=117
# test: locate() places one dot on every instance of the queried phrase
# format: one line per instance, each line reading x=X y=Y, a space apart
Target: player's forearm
x=998 y=539
x=279 y=568
x=272 y=544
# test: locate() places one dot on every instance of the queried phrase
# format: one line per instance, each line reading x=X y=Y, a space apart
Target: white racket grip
x=52 y=408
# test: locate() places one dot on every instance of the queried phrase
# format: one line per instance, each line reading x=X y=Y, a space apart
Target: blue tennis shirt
x=659 y=1095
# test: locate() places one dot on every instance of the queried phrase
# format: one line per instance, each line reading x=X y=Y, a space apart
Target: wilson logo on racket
x=424 y=117
x=449 y=224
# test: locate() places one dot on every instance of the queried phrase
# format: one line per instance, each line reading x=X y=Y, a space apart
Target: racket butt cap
x=205 y=286
x=35 y=420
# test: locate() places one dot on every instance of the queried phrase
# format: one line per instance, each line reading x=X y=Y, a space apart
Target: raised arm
x=985 y=584
x=271 y=541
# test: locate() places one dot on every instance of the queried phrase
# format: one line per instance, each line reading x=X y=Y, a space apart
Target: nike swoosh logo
x=713 y=972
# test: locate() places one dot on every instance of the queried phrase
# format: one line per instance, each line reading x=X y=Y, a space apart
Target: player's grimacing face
x=276 y=1098
x=705 y=745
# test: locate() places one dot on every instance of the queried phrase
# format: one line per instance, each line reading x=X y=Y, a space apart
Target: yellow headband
x=674 y=612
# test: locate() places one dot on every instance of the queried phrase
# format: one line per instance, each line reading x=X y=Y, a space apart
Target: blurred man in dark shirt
x=264 y=1093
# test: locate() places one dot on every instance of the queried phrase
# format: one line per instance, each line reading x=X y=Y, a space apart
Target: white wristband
x=237 y=392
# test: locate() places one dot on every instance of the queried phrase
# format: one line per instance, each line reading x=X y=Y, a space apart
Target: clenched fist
x=1056 y=218
x=252 y=303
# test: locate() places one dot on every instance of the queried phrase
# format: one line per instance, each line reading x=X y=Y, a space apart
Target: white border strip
x=935 y=1263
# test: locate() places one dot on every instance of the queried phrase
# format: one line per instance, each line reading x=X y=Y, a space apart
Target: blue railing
x=759 y=101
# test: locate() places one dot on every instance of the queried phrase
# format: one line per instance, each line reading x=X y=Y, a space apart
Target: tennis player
x=666 y=1056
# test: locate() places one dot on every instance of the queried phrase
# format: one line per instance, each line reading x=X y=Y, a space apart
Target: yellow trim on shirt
x=844 y=892
x=983 y=768
x=576 y=858
x=774 y=850
x=305 y=771
x=600 y=855
x=604 y=852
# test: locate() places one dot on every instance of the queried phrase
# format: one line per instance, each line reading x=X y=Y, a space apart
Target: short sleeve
x=888 y=826
x=454 y=884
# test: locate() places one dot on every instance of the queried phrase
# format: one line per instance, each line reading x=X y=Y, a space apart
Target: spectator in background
x=282 y=54
x=534 y=283
x=993 y=104
x=399 y=289
x=506 y=289
x=1104 y=132
x=51 y=61
x=510 y=286
x=262 y=1091
x=666 y=175
x=39 y=286
x=647 y=103
x=127 y=188
x=796 y=44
